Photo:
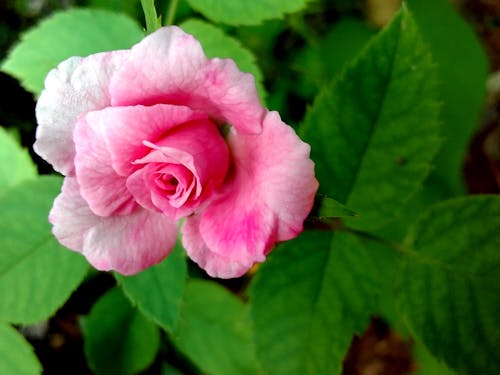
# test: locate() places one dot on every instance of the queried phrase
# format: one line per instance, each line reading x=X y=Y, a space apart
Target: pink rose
x=158 y=133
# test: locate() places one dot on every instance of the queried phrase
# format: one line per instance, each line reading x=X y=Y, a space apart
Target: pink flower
x=142 y=139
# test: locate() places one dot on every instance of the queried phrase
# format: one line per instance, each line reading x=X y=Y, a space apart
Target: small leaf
x=16 y=354
x=246 y=12
x=214 y=331
x=158 y=291
x=37 y=275
x=448 y=287
x=75 y=32
x=307 y=301
x=117 y=338
x=374 y=131
x=330 y=208
x=216 y=43
x=15 y=163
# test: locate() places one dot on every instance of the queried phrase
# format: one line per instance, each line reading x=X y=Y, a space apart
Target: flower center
x=166 y=182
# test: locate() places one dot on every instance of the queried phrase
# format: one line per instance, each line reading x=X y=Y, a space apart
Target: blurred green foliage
x=118 y=338
x=16 y=354
x=148 y=289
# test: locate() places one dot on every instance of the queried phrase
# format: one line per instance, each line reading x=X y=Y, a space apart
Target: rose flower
x=159 y=136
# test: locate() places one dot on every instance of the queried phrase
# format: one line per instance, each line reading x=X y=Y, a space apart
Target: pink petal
x=229 y=95
x=126 y=128
x=216 y=265
x=147 y=195
x=271 y=194
x=169 y=66
x=277 y=163
x=234 y=232
x=202 y=140
x=178 y=198
x=104 y=190
x=127 y=244
x=76 y=86
x=199 y=148
x=137 y=185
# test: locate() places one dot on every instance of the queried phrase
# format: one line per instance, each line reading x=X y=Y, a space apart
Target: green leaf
x=15 y=162
x=214 y=331
x=216 y=43
x=427 y=364
x=117 y=338
x=463 y=69
x=320 y=62
x=374 y=131
x=308 y=299
x=130 y=7
x=432 y=192
x=37 y=275
x=246 y=12
x=448 y=288
x=76 y=32
x=158 y=291
x=330 y=208
x=167 y=369
x=16 y=354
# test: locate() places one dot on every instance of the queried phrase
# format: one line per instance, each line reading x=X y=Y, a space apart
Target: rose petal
x=169 y=66
x=216 y=265
x=209 y=151
x=147 y=195
x=137 y=185
x=126 y=128
x=104 y=190
x=76 y=86
x=197 y=146
x=277 y=163
x=185 y=185
x=230 y=236
x=271 y=194
x=231 y=96
x=166 y=154
x=127 y=244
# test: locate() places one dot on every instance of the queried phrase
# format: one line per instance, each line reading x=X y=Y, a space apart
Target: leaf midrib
x=25 y=255
x=376 y=117
x=354 y=178
x=429 y=261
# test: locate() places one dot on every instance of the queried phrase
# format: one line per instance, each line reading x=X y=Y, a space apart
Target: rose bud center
x=181 y=169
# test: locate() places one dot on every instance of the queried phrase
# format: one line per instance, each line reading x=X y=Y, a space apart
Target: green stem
x=152 y=22
x=172 y=8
